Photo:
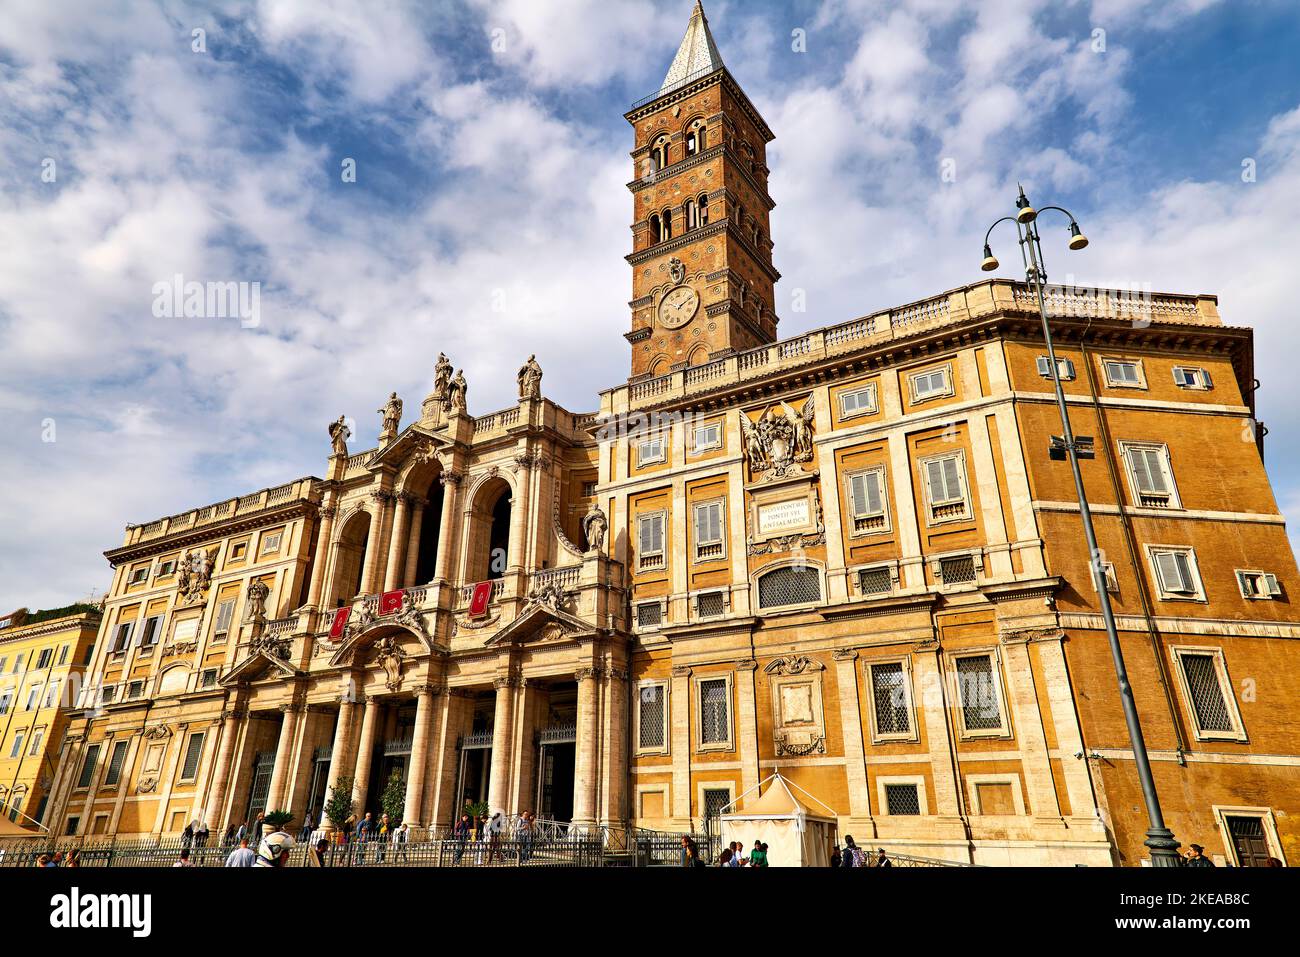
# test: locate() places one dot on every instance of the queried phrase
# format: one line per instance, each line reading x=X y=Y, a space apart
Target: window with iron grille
x=889 y=695
x=115 y=762
x=715 y=728
x=135 y=689
x=1204 y=687
x=88 y=768
x=902 y=799
x=715 y=799
x=789 y=586
x=711 y=604
x=193 y=752
x=709 y=530
x=652 y=727
x=107 y=693
x=979 y=696
x=867 y=501
x=958 y=570
x=649 y=614
x=876 y=581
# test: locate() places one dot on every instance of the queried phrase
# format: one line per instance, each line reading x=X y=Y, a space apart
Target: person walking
x=402 y=837
x=187 y=836
x=525 y=835
x=230 y=837
x=690 y=852
x=308 y=826
x=201 y=835
x=852 y=856
x=73 y=859
x=460 y=833
x=882 y=860
x=242 y=856
x=316 y=853
x=1196 y=857
x=383 y=835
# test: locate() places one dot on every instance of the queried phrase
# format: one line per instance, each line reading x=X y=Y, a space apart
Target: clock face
x=678 y=306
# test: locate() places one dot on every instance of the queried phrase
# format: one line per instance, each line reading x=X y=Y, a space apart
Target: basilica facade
x=846 y=555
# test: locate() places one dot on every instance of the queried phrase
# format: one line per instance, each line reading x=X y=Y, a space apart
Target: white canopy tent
x=795 y=836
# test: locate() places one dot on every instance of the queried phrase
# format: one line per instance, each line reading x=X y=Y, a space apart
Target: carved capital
x=328 y=511
x=588 y=674
x=449 y=477
x=845 y=654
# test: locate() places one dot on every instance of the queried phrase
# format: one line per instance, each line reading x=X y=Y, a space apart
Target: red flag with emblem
x=340 y=622
x=391 y=601
x=478 y=603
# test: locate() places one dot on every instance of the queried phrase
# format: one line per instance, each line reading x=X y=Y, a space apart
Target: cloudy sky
x=488 y=217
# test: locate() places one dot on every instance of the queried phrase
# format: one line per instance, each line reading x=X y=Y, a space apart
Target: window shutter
x=1147 y=471
x=1171 y=571
x=934 y=476
x=1271 y=585
x=1206 y=380
x=950 y=479
x=647 y=535
x=708 y=523
x=873 y=493
x=1068 y=368
x=1044 y=367
x=1243 y=582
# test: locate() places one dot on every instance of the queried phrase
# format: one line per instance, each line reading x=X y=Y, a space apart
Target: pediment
x=539 y=623
x=409 y=442
x=257 y=665
x=359 y=640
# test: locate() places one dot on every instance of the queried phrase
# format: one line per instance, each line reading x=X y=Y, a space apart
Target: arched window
x=695 y=137
x=692 y=215
x=659 y=153
x=656 y=229
x=668 y=224
x=704 y=209
x=789 y=585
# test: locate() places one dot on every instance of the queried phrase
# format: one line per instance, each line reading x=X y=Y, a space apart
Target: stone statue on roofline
x=339 y=435
x=530 y=379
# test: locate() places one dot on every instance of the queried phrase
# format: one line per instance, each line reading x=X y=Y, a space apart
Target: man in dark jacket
x=1197 y=857
x=852 y=855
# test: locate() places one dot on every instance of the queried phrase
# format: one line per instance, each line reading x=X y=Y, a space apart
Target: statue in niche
x=256 y=602
x=595 y=525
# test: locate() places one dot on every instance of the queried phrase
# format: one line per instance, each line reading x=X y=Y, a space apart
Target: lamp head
x=990 y=262
x=1077 y=239
x=1027 y=214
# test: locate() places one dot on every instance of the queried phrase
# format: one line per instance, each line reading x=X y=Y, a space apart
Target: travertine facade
x=846 y=555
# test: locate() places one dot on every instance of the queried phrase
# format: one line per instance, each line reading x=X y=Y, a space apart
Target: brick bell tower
x=702 y=274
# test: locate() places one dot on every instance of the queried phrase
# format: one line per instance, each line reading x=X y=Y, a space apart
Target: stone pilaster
x=502 y=743
x=365 y=753
x=855 y=763
x=418 y=771
x=585 y=768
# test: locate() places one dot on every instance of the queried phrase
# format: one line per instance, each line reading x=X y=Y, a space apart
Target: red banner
x=391 y=601
x=478 y=604
x=340 y=622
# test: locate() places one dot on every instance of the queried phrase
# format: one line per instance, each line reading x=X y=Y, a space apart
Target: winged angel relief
x=779 y=441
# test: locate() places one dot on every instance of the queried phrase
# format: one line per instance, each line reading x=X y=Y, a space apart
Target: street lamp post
x=1160 y=840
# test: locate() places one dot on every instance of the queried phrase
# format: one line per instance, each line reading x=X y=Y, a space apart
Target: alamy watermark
x=176 y=298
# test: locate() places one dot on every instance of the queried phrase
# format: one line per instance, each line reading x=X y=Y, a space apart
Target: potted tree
x=393 y=801
x=339 y=807
x=275 y=821
x=477 y=810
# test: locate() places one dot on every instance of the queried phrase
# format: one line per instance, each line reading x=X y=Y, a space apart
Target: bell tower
x=702 y=274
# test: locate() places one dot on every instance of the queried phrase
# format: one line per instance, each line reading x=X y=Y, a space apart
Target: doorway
x=556 y=765
x=1248 y=841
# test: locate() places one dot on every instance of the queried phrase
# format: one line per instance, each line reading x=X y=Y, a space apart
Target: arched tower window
x=692 y=215
x=668 y=224
x=704 y=209
x=659 y=153
x=656 y=229
x=695 y=138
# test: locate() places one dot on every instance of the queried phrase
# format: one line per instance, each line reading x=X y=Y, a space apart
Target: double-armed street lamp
x=1160 y=840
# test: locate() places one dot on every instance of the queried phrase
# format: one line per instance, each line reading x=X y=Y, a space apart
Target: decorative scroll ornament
x=778 y=442
x=792 y=665
x=555 y=521
x=799 y=743
x=277 y=648
x=410 y=617
x=676 y=271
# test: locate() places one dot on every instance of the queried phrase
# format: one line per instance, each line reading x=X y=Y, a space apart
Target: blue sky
x=489 y=216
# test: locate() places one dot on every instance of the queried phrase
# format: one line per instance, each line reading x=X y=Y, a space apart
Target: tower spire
x=698 y=54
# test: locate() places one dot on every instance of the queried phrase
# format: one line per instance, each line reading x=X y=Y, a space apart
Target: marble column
x=416 y=773
x=415 y=527
x=374 y=543
x=585 y=769
x=340 y=753
x=451 y=482
x=365 y=753
x=502 y=744
x=322 y=555
x=221 y=776
x=283 y=757
x=397 y=546
x=519 y=521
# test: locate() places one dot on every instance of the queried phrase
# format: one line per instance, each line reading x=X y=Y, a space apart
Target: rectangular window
x=1187 y=377
x=4 y=660
x=711 y=604
x=107 y=693
x=237 y=551
x=152 y=627
x=1258 y=585
x=890 y=700
x=902 y=799
x=709 y=541
x=652 y=718
x=166 y=569
x=6 y=696
x=37 y=737
x=650 y=451
x=649 y=614
x=1123 y=374
x=18 y=664
x=63 y=656
x=32 y=697
x=958 y=570
x=123 y=639
x=139 y=574
x=208 y=678
x=858 y=402
x=271 y=543
x=945 y=487
x=867 y=501
x=17 y=747
x=43 y=659
x=115 y=761
x=1151 y=474
x=52 y=695
x=650 y=538
x=135 y=689
x=1064 y=368
x=193 y=752
x=931 y=384
x=1112 y=581
x=225 y=612
x=1176 y=573
x=707 y=437
x=589 y=489
x=715 y=724
x=876 y=581
x=977 y=689
x=1209 y=694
